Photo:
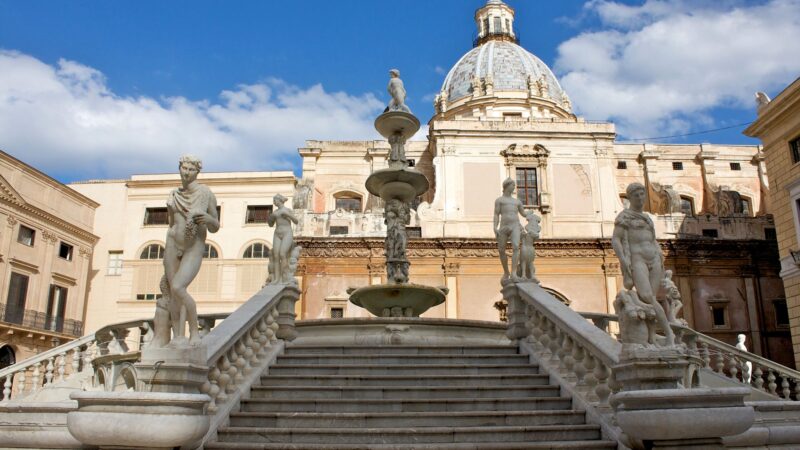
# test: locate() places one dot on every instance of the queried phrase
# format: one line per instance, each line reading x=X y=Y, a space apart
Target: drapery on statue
x=192 y=212
x=282 y=242
x=640 y=258
x=507 y=226
x=527 y=253
x=398 y=93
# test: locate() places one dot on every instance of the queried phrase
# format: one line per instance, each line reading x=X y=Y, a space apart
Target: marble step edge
x=346 y=415
x=406 y=431
x=585 y=444
x=406 y=388
x=399 y=400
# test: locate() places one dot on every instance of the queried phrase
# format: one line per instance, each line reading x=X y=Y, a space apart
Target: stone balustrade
x=55 y=365
x=339 y=221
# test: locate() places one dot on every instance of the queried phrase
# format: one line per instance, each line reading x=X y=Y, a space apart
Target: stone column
x=286 y=314
x=451 y=270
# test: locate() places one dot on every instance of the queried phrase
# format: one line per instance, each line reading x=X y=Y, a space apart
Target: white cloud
x=661 y=66
x=64 y=119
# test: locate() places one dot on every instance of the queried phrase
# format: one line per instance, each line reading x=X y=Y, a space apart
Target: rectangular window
x=414 y=232
x=770 y=234
x=687 y=206
x=512 y=115
x=337 y=313
x=486 y=26
x=710 y=232
x=719 y=316
x=348 y=203
x=156 y=216
x=17 y=293
x=622 y=165
x=781 y=313
x=794 y=146
x=339 y=230
x=56 y=307
x=148 y=296
x=258 y=213
x=26 y=236
x=527 y=186
x=736 y=166
x=677 y=166
x=498 y=25
x=115 y=263
x=65 y=251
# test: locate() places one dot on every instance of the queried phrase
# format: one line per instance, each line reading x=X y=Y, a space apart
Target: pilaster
x=451 y=270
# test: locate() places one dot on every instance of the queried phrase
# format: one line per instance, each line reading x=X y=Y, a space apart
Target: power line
x=688 y=134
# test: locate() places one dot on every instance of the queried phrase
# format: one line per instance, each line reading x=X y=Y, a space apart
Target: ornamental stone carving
x=451 y=269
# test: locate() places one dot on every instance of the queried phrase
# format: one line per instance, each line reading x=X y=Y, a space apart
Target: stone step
x=401 y=350
x=583 y=445
x=399 y=405
x=415 y=419
x=405 y=380
x=430 y=435
x=403 y=359
x=402 y=369
x=401 y=392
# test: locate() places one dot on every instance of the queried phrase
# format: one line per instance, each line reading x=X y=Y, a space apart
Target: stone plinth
x=663 y=419
x=177 y=370
x=642 y=368
x=150 y=420
x=398 y=300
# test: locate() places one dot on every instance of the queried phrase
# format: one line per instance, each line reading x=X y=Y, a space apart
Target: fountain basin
x=400 y=183
x=393 y=122
x=398 y=300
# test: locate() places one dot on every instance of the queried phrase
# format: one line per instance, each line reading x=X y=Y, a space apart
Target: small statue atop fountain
x=673 y=299
x=397 y=217
x=192 y=213
x=634 y=242
x=747 y=367
x=282 y=242
x=527 y=253
x=398 y=93
x=507 y=226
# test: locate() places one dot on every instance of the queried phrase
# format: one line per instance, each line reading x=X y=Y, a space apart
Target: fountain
x=397 y=185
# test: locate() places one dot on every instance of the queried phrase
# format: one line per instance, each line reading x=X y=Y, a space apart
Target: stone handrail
x=243 y=345
x=563 y=340
x=54 y=365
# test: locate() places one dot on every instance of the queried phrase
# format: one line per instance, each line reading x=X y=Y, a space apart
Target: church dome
x=511 y=68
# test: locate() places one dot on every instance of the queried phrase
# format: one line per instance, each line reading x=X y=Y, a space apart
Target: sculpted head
x=189 y=166
x=508 y=186
x=278 y=200
x=532 y=217
x=741 y=338
x=636 y=195
x=394 y=73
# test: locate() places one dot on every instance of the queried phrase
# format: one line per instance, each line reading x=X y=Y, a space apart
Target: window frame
x=736 y=166
x=348 y=196
x=70 y=251
x=794 y=150
x=338 y=228
x=622 y=165
x=117 y=268
x=726 y=319
x=251 y=214
x=32 y=235
x=780 y=325
x=677 y=165
x=526 y=187
x=691 y=205
x=251 y=248
x=148 y=248
x=155 y=211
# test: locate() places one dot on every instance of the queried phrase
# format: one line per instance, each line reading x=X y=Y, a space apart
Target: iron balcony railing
x=40 y=321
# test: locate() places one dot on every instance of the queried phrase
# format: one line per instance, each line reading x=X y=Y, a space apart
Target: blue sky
x=105 y=89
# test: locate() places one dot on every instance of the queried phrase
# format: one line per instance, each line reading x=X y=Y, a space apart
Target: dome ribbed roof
x=510 y=66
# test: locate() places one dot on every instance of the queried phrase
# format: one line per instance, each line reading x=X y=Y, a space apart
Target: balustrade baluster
x=578 y=358
x=773 y=387
x=36 y=377
x=62 y=365
x=76 y=360
x=224 y=378
x=254 y=346
x=706 y=357
x=213 y=390
x=233 y=371
x=263 y=337
x=555 y=344
x=590 y=363
x=20 y=384
x=758 y=377
x=796 y=389
x=242 y=362
x=536 y=331
x=545 y=338
x=719 y=367
x=601 y=372
x=273 y=324
x=48 y=372
x=7 y=388
x=734 y=368
x=785 y=387
x=567 y=361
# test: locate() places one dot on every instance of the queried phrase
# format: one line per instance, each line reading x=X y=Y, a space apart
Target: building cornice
x=781 y=106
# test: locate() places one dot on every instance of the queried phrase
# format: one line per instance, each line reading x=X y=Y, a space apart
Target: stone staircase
x=406 y=397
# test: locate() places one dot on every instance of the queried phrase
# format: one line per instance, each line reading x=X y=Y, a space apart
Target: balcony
x=41 y=321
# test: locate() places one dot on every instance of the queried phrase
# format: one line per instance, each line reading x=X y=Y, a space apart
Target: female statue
x=192 y=212
x=282 y=241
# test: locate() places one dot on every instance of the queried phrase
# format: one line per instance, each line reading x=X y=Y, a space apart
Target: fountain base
x=398 y=300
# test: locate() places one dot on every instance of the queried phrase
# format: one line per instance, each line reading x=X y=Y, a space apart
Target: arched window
x=152 y=251
x=347 y=201
x=257 y=250
x=210 y=252
x=687 y=205
x=7 y=357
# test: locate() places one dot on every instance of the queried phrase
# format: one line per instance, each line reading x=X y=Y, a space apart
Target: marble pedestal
x=177 y=370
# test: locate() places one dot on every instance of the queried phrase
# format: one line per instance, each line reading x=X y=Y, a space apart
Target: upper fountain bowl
x=393 y=122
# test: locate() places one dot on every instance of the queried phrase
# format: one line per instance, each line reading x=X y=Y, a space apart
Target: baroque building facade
x=500 y=113
x=46 y=241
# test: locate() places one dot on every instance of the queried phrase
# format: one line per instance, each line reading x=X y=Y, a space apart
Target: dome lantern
x=495 y=21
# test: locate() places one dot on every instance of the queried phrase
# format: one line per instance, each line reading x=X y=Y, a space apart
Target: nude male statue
x=634 y=242
x=506 y=209
x=398 y=92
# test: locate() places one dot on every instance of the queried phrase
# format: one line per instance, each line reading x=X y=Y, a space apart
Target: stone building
x=45 y=247
x=778 y=127
x=500 y=113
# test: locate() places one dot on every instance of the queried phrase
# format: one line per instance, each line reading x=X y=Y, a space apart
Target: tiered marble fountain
x=397 y=185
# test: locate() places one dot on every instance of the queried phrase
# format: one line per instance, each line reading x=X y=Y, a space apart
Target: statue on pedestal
x=282 y=242
x=747 y=367
x=398 y=93
x=673 y=299
x=192 y=212
x=507 y=226
x=527 y=253
x=640 y=258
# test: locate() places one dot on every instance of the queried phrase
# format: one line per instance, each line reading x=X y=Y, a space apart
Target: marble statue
x=634 y=242
x=507 y=226
x=282 y=241
x=302 y=195
x=192 y=210
x=747 y=367
x=397 y=147
x=762 y=99
x=636 y=319
x=397 y=217
x=673 y=299
x=398 y=93
x=527 y=253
